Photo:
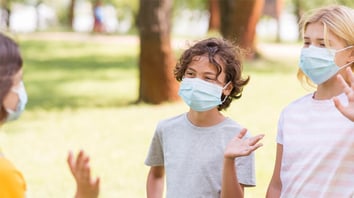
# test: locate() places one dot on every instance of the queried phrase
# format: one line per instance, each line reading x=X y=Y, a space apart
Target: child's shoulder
x=300 y=101
x=173 y=120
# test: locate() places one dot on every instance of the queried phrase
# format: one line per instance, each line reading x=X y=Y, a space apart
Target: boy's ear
x=228 y=89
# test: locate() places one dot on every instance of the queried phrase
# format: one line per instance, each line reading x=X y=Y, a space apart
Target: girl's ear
x=351 y=57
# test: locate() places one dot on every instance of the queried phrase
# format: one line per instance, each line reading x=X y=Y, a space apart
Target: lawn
x=81 y=94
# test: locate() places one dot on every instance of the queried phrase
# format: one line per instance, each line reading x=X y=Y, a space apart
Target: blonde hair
x=336 y=19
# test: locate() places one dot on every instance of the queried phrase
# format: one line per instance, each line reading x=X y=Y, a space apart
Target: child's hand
x=347 y=111
x=80 y=168
x=238 y=147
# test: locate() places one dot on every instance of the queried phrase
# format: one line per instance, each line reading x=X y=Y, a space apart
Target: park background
x=83 y=87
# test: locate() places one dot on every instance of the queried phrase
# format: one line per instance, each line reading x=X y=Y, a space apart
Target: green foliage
x=307 y=5
x=191 y=4
x=97 y=65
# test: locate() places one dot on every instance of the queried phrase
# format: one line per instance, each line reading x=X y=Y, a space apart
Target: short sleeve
x=280 y=129
x=245 y=168
x=155 y=155
x=12 y=183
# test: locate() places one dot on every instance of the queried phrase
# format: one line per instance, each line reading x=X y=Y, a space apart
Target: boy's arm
x=155 y=182
x=275 y=186
x=237 y=147
x=230 y=184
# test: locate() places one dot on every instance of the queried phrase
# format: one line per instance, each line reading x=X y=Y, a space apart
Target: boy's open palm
x=238 y=147
x=347 y=111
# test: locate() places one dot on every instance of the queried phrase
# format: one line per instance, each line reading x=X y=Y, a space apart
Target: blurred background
x=99 y=77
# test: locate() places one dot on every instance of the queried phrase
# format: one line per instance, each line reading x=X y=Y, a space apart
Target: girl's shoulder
x=303 y=100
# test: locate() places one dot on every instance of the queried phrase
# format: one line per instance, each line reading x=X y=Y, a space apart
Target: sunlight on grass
x=80 y=96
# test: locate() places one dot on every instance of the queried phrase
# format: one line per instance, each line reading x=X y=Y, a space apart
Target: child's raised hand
x=80 y=169
x=238 y=147
x=347 y=111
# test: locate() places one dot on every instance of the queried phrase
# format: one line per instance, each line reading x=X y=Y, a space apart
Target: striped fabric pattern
x=318 y=149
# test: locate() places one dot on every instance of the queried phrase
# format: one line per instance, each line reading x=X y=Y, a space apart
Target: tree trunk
x=298 y=11
x=157 y=82
x=279 y=4
x=238 y=22
x=214 y=11
x=5 y=4
x=72 y=13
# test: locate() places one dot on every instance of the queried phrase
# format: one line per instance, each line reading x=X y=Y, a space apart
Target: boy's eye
x=210 y=79
x=189 y=73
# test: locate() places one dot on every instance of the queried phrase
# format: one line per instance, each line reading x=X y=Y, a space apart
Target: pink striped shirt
x=318 y=149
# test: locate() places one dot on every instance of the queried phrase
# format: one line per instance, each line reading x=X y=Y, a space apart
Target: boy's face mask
x=22 y=101
x=200 y=95
x=319 y=63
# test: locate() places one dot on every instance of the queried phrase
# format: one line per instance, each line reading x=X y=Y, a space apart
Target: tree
x=214 y=11
x=5 y=17
x=238 y=22
x=72 y=13
x=156 y=61
x=274 y=9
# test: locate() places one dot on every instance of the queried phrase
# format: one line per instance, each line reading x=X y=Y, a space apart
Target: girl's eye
x=322 y=45
x=307 y=43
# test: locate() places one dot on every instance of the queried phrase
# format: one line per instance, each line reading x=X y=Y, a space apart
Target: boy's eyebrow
x=205 y=73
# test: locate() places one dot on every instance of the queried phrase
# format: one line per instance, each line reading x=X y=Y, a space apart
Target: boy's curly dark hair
x=225 y=56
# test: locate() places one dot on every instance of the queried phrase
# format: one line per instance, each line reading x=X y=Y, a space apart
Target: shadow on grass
x=81 y=80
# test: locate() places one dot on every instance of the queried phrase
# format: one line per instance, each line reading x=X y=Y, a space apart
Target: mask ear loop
x=227 y=84
x=346 y=65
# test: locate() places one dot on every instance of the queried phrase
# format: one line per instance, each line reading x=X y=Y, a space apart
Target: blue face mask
x=319 y=63
x=200 y=95
x=22 y=100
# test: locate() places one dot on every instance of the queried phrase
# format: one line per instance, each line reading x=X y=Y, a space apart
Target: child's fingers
x=344 y=84
x=70 y=161
x=242 y=133
x=96 y=183
x=256 y=146
x=253 y=140
x=351 y=76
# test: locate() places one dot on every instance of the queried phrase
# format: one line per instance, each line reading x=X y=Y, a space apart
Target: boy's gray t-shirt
x=193 y=157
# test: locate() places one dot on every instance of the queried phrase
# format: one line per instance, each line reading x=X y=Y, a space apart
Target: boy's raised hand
x=238 y=147
x=347 y=111
x=80 y=169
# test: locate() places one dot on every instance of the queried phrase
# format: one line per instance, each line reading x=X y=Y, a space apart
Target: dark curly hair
x=10 y=64
x=225 y=56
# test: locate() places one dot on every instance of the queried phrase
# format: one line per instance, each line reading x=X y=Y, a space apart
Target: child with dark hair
x=202 y=152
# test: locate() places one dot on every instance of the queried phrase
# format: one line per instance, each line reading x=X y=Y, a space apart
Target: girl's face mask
x=200 y=95
x=22 y=101
x=319 y=63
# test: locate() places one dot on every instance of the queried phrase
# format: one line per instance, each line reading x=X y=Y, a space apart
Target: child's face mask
x=200 y=95
x=319 y=63
x=22 y=100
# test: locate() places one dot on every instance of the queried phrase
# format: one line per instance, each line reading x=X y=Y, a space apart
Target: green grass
x=80 y=97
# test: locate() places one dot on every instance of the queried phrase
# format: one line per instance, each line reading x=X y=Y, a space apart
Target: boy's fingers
x=255 y=139
x=242 y=133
